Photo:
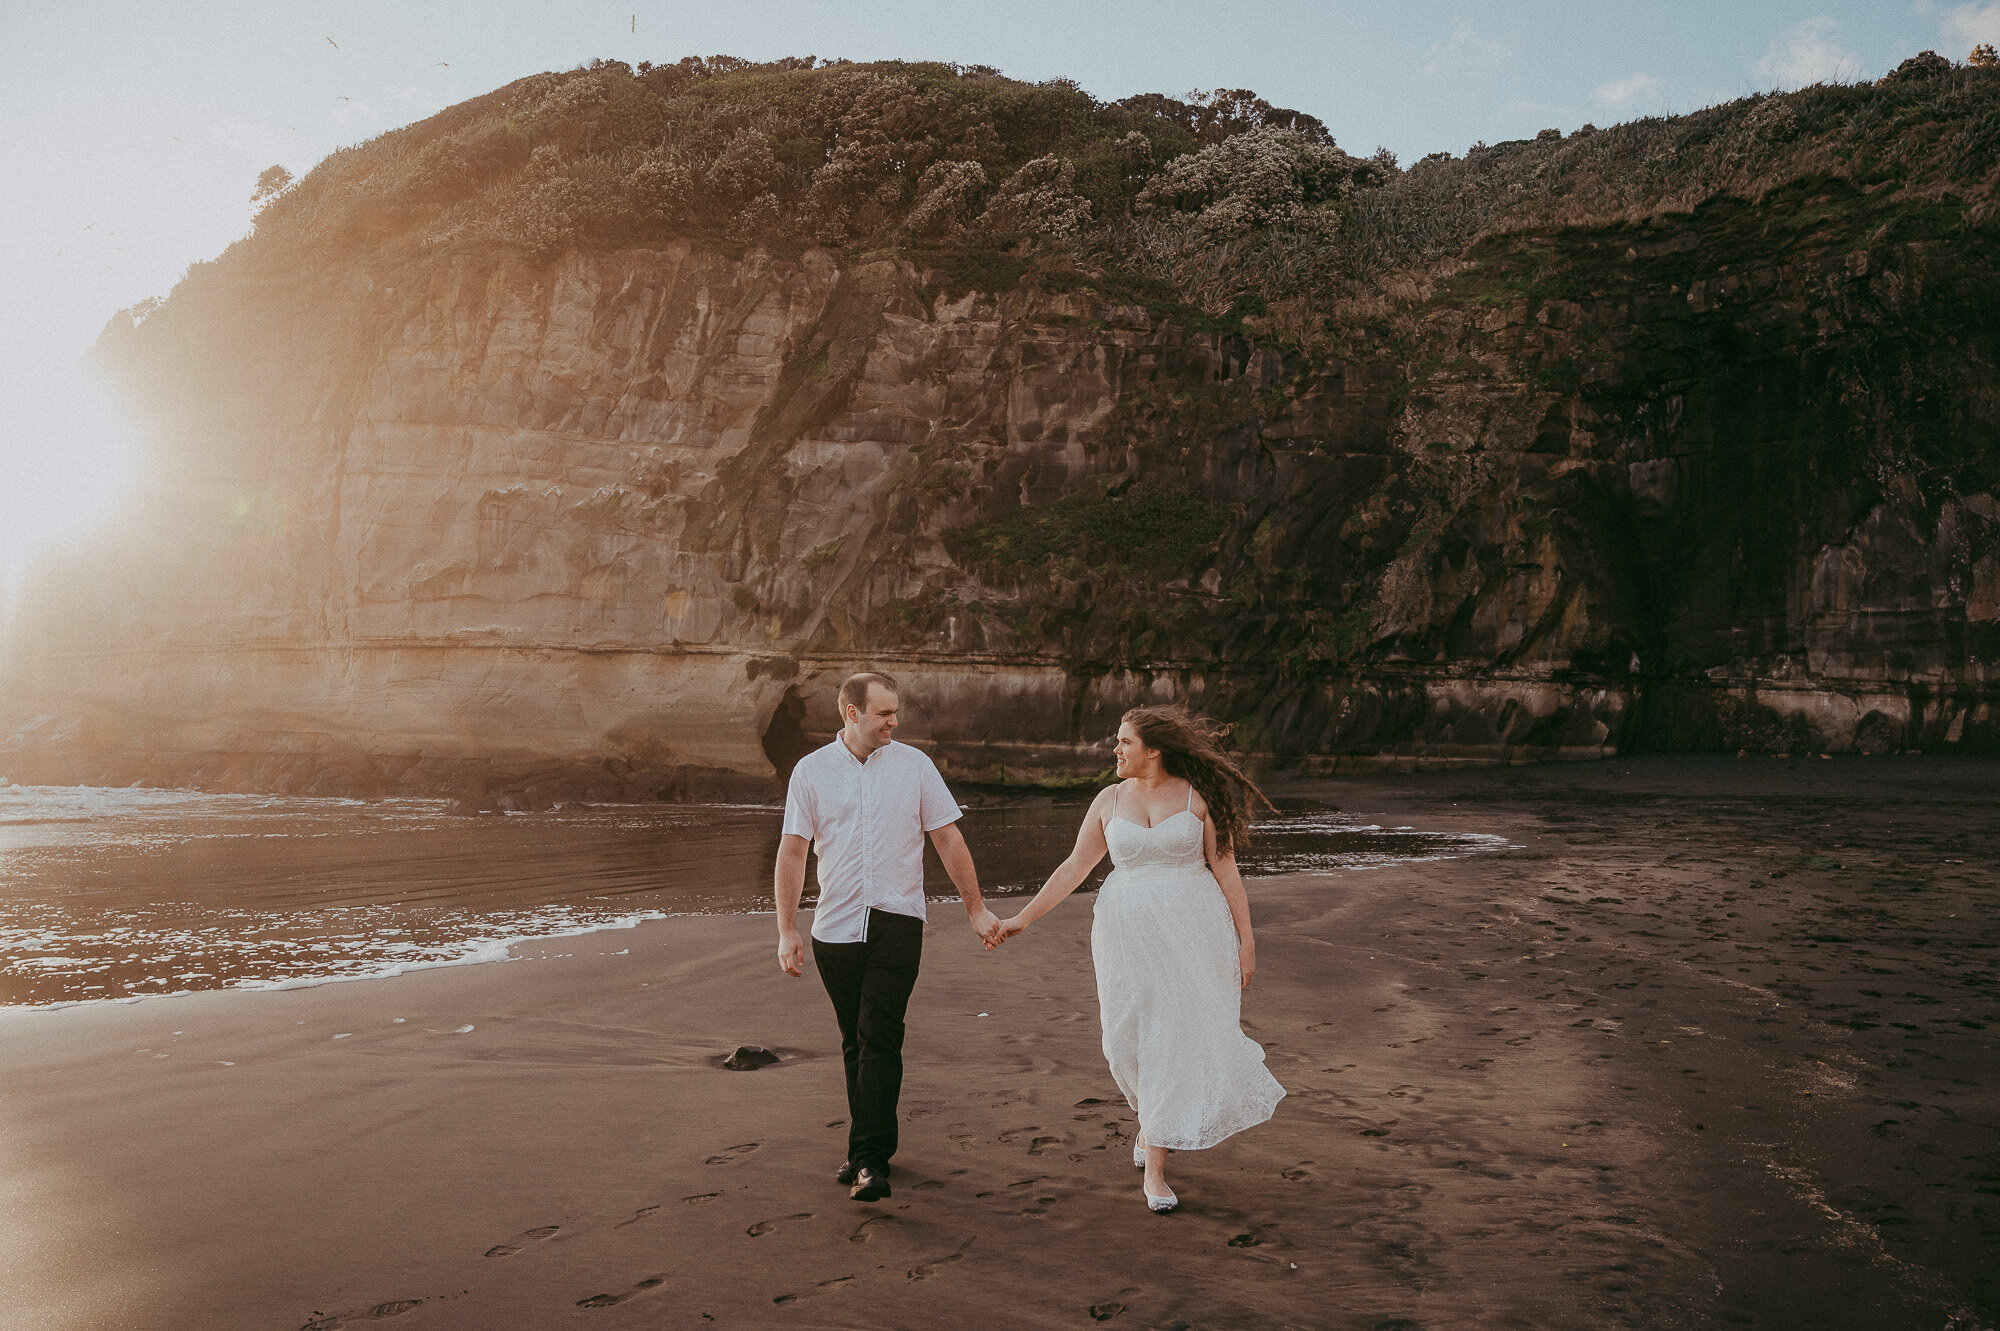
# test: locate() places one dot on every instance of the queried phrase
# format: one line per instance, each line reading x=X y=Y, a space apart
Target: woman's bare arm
x=1069 y=875
x=1223 y=866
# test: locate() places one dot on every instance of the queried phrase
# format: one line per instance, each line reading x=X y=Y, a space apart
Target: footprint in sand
x=393 y=1308
x=610 y=1300
x=861 y=1235
x=700 y=1199
x=1302 y=1172
x=1404 y=1241
x=763 y=1227
x=824 y=1287
x=641 y=1214
x=731 y=1155
x=929 y=1269
x=1255 y=1238
x=512 y=1246
x=1039 y=1144
x=1013 y=1135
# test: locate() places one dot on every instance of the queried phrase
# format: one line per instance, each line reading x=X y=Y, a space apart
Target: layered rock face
x=618 y=523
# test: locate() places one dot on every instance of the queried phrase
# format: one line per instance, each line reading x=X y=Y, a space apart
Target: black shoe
x=845 y=1174
x=871 y=1183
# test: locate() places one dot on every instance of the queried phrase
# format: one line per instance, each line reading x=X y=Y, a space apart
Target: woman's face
x=1134 y=758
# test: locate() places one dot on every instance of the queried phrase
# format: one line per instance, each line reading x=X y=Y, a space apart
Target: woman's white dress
x=1170 y=990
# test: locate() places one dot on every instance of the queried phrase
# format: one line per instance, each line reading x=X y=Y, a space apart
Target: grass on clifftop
x=1218 y=203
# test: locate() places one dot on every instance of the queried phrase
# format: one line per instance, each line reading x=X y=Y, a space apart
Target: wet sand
x=1716 y=1046
x=144 y=893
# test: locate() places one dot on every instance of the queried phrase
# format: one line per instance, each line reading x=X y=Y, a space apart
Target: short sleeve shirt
x=867 y=822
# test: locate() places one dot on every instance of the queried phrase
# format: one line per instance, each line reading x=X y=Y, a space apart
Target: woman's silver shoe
x=1138 y=1156
x=1162 y=1205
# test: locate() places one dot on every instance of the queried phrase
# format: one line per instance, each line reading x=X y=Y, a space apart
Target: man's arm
x=788 y=883
x=957 y=858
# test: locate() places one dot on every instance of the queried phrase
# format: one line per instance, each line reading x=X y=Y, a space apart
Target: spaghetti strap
x=1190 y=807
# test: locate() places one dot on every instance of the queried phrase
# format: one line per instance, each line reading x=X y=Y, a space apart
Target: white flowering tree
x=1266 y=177
x=945 y=195
x=1038 y=200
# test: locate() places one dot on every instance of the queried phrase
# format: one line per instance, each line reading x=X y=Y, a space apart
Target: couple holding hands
x=1171 y=940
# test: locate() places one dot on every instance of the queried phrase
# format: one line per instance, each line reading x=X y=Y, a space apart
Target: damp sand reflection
x=109 y=894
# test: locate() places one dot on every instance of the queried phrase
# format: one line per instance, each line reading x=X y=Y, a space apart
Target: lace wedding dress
x=1170 y=991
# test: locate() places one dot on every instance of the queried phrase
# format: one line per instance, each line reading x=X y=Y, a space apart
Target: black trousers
x=870 y=983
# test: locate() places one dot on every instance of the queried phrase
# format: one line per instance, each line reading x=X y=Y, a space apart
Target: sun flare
x=68 y=454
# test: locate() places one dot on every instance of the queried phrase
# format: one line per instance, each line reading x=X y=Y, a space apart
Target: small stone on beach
x=749 y=1057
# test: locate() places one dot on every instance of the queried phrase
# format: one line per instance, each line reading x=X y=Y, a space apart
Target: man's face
x=873 y=724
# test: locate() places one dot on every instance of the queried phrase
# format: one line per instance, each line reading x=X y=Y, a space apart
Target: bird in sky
x=334 y=44
x=346 y=99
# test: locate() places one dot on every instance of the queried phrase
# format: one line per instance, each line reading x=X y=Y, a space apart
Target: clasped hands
x=993 y=930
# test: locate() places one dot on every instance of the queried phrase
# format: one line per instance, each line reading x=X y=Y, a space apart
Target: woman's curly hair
x=1190 y=748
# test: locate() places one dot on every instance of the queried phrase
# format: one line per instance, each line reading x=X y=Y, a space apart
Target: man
x=867 y=802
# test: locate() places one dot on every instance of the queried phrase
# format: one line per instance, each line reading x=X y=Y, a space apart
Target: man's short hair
x=854 y=690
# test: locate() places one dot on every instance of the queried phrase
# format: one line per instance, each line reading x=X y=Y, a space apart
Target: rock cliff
x=615 y=520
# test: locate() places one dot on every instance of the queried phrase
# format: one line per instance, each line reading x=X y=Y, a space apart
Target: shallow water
x=122 y=893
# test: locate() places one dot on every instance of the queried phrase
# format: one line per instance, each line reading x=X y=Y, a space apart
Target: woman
x=1171 y=940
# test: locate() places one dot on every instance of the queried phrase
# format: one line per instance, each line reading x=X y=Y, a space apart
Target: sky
x=136 y=130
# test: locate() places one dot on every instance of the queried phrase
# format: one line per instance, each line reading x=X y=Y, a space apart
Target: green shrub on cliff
x=799 y=150
x=1219 y=204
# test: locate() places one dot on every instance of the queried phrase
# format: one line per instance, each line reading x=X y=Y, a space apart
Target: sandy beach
x=1713 y=1045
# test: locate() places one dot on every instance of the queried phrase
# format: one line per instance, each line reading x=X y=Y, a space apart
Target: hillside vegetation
x=1219 y=202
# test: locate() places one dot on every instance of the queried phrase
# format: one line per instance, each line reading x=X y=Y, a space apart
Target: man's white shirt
x=867 y=822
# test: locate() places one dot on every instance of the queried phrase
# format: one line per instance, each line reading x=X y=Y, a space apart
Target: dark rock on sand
x=749 y=1057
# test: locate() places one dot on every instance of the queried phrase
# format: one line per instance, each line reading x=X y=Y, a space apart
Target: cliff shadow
x=784 y=739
